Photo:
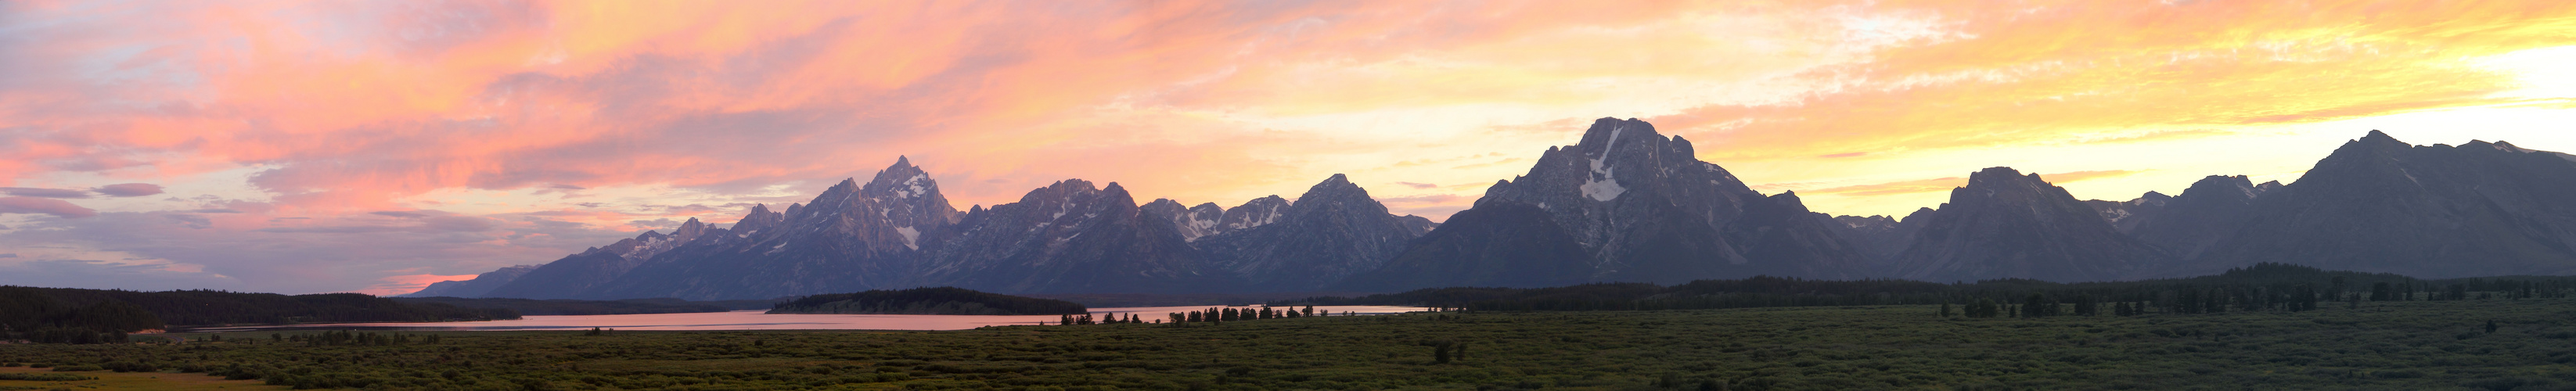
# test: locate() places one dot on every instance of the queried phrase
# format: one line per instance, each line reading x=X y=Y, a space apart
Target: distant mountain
x=2126 y=215
x=852 y=237
x=2210 y=210
x=1070 y=237
x=1254 y=213
x=576 y=274
x=481 y=284
x=1880 y=237
x=2007 y=225
x=1193 y=222
x=1640 y=206
x=1623 y=204
x=1418 y=224
x=1333 y=231
x=2381 y=205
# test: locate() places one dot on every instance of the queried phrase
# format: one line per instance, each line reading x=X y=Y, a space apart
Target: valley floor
x=2420 y=345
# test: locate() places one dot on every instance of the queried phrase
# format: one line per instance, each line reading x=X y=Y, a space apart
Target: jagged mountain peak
x=1788 y=199
x=1334 y=189
x=760 y=218
x=1254 y=213
x=1999 y=176
x=1607 y=133
x=2237 y=187
x=690 y=229
x=901 y=180
x=1918 y=213
x=2004 y=224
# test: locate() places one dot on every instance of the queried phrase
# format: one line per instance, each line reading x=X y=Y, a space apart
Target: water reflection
x=755 y=320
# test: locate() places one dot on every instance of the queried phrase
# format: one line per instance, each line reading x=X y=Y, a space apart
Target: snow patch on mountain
x=910 y=236
x=1601 y=186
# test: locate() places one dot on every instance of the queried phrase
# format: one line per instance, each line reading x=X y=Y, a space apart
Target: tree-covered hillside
x=89 y=315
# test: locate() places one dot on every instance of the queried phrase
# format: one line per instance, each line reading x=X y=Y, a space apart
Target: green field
x=2416 y=345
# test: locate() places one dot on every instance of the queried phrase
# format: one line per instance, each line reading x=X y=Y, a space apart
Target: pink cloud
x=34 y=205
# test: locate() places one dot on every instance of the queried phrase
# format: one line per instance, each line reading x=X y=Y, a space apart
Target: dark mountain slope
x=2007 y=225
x=2380 y=205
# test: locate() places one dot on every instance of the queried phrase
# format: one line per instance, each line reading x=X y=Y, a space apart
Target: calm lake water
x=755 y=320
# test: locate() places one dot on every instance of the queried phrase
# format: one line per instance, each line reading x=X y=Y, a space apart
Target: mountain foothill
x=1623 y=204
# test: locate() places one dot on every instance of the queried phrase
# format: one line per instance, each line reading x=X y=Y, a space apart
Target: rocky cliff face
x=1333 y=231
x=2007 y=225
x=1254 y=213
x=1071 y=237
x=1643 y=208
x=1192 y=222
x=476 y=287
x=2380 y=205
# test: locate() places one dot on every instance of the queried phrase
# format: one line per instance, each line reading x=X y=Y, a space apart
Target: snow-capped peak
x=1601 y=186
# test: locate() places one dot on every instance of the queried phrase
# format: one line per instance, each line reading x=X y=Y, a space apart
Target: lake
x=755 y=320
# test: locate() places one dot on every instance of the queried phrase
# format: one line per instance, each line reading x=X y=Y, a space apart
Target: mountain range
x=1623 y=204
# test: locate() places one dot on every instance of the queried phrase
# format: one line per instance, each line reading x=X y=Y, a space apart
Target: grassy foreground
x=2383 y=345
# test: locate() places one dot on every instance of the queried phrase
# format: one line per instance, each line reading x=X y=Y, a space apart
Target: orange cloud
x=1948 y=183
x=2054 y=70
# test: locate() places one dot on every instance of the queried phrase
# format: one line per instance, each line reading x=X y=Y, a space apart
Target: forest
x=2261 y=287
x=66 y=315
x=927 y=301
x=533 y=307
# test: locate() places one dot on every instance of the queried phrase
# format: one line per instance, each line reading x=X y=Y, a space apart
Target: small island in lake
x=927 y=301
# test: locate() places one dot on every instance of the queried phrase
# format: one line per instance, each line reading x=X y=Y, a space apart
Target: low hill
x=535 y=307
x=927 y=301
x=44 y=314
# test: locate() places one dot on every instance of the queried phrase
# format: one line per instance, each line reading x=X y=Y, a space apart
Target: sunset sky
x=374 y=147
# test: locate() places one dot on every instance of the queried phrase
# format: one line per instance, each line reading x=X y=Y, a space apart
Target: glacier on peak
x=1601 y=186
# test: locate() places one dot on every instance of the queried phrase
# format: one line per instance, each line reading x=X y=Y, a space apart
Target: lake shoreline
x=748 y=320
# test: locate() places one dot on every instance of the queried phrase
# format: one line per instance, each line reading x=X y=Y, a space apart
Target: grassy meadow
x=2414 y=345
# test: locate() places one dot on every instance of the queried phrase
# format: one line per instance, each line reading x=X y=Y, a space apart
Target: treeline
x=927 y=301
x=66 y=315
x=1210 y=315
x=2262 y=287
x=593 y=307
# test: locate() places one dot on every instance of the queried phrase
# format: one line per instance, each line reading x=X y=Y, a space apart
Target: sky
x=377 y=146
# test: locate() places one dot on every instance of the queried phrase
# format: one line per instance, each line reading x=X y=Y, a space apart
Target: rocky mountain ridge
x=1623 y=204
